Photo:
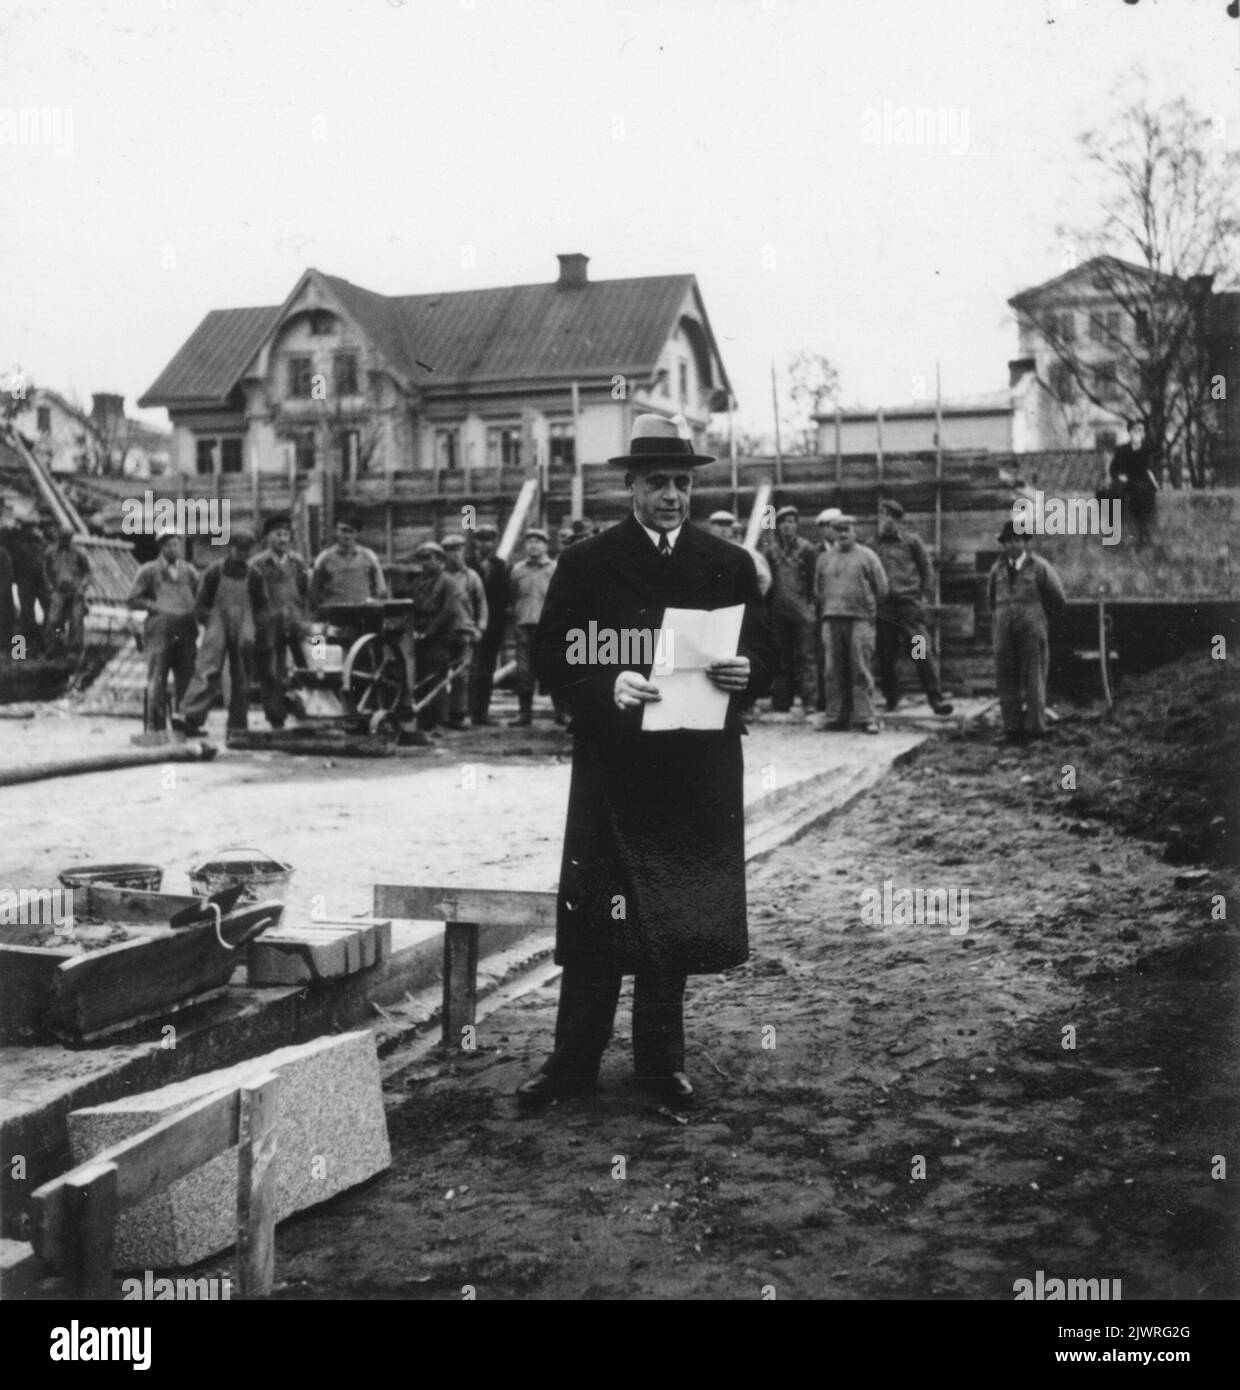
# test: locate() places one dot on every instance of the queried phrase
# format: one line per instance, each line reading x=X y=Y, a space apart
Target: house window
x=1097 y=325
x=504 y=446
x=320 y=323
x=1113 y=324
x=300 y=377
x=1061 y=326
x=1106 y=383
x=43 y=415
x=345 y=374
x=1105 y=441
x=562 y=446
x=304 y=453
x=447 y=449
x=1141 y=324
x=1059 y=377
x=226 y=452
x=682 y=381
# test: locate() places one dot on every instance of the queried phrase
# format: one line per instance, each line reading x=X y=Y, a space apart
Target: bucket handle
x=249 y=849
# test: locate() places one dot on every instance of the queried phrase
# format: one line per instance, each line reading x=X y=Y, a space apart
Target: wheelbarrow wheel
x=373 y=678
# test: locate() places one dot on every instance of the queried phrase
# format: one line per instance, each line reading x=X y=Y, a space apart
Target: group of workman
x=53 y=573
x=838 y=605
x=844 y=615
x=254 y=610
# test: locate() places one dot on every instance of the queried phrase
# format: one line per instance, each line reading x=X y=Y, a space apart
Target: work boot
x=522 y=721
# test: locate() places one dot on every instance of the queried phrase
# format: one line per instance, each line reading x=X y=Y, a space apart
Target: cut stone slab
x=331 y=1134
x=309 y=951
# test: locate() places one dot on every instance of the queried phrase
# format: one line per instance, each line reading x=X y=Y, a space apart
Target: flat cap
x=726 y=517
x=538 y=532
x=844 y=520
x=828 y=515
x=429 y=548
x=453 y=541
x=786 y=511
x=486 y=533
x=891 y=507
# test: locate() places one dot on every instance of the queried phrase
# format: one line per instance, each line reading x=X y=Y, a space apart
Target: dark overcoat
x=653 y=873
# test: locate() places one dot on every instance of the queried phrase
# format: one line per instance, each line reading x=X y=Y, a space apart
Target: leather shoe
x=543 y=1087
x=677 y=1086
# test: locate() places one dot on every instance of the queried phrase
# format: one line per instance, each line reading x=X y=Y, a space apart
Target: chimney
x=572 y=270
x=106 y=408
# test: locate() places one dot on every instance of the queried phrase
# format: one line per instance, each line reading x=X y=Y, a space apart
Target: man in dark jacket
x=286 y=589
x=436 y=616
x=902 y=615
x=792 y=562
x=498 y=590
x=652 y=881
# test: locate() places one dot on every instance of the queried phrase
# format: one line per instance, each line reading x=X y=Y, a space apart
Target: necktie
x=665 y=550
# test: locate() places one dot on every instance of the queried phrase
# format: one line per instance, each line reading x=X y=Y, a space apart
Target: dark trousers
x=482 y=676
x=65 y=629
x=220 y=646
x=797 y=675
x=432 y=659
x=278 y=640
x=901 y=621
x=588 y=998
x=171 y=645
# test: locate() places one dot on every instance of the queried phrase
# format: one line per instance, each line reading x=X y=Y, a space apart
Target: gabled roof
x=1113 y=266
x=212 y=358
x=518 y=334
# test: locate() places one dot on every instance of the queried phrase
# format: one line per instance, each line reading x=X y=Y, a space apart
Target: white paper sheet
x=690 y=640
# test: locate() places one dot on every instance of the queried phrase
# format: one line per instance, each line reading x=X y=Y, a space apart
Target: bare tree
x=1169 y=223
x=812 y=381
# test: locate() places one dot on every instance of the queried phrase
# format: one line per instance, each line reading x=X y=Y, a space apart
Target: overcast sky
x=202 y=153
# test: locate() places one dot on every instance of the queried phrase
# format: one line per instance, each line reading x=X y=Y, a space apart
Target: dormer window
x=345 y=374
x=300 y=377
x=320 y=323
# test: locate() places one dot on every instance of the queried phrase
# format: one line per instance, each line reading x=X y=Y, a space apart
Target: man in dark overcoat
x=652 y=880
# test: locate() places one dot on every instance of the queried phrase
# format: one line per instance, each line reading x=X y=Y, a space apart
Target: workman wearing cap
x=531 y=578
x=436 y=617
x=792 y=560
x=66 y=573
x=470 y=623
x=229 y=607
x=286 y=590
x=849 y=585
x=164 y=590
x=902 y=626
x=1024 y=591
x=726 y=526
x=497 y=587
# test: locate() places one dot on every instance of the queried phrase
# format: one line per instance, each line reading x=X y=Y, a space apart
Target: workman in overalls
x=1024 y=592
x=230 y=604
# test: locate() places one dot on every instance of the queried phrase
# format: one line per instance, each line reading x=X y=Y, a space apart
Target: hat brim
x=647 y=461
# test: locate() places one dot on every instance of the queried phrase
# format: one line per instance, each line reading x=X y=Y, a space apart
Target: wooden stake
x=256 y=1185
x=460 y=979
x=90 y=1231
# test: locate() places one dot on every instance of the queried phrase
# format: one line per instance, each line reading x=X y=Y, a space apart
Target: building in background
x=67 y=440
x=991 y=421
x=365 y=385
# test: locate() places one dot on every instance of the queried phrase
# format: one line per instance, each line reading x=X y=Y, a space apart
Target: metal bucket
x=262 y=876
x=147 y=877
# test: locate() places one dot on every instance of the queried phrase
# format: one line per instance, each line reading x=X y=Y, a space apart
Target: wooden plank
x=460 y=980
x=26 y=980
x=258 y=1107
x=128 y=904
x=146 y=1163
x=488 y=907
x=103 y=988
x=90 y=1211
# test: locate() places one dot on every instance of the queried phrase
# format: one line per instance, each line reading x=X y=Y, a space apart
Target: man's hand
x=731 y=675
x=633 y=690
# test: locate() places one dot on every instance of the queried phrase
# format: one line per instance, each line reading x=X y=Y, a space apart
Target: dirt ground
x=1063 y=1073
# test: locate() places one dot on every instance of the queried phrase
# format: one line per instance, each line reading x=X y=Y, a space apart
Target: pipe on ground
x=192 y=752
